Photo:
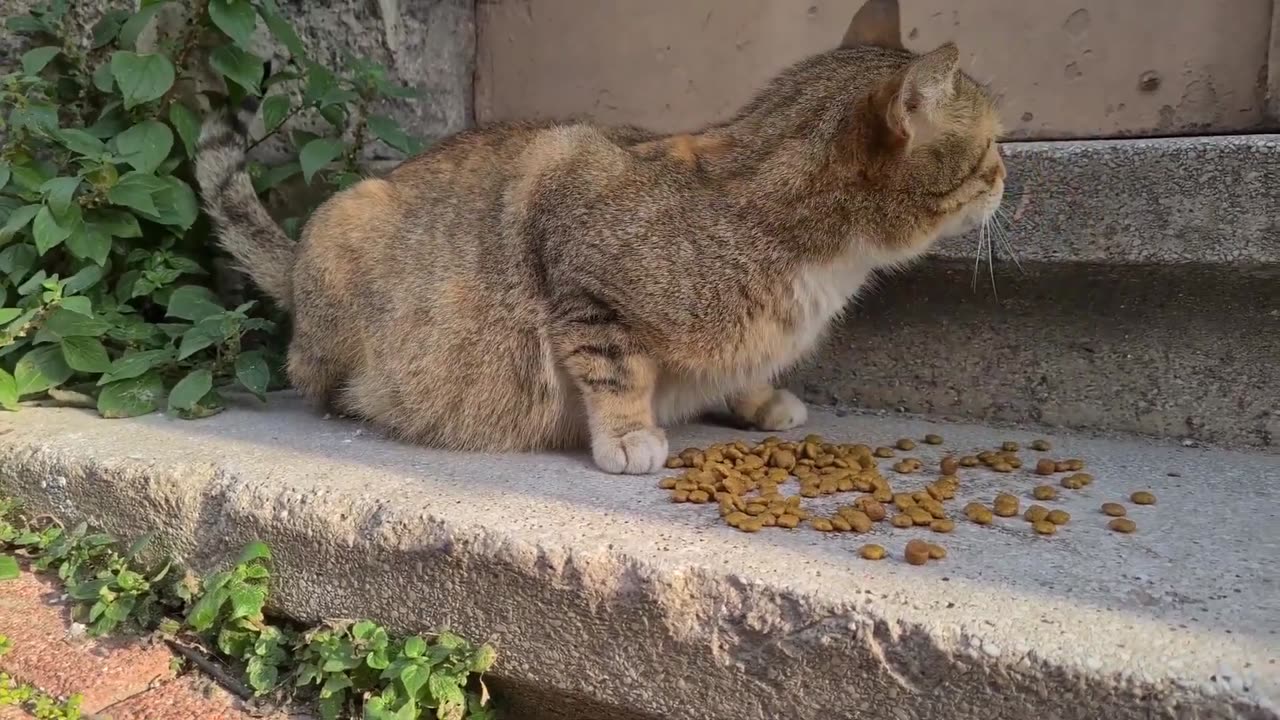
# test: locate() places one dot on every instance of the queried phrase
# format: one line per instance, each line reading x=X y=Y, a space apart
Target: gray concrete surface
x=1152 y=202
x=596 y=587
x=1182 y=351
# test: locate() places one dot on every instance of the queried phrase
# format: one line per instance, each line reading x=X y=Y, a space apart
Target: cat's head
x=923 y=132
x=909 y=140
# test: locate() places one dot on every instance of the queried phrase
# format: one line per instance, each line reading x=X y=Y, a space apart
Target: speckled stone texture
x=1183 y=351
x=597 y=586
x=1153 y=201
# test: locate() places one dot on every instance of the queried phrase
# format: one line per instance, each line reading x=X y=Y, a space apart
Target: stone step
x=607 y=600
x=1179 y=351
x=1160 y=201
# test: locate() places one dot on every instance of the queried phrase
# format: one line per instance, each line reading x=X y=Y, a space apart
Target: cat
x=529 y=286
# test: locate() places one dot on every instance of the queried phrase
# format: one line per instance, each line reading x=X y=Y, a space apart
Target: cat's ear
x=877 y=24
x=913 y=97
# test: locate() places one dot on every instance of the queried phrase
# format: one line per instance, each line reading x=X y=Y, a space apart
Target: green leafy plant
x=349 y=669
x=106 y=262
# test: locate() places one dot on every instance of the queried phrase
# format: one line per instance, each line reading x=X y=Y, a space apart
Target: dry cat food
x=1114 y=509
x=1123 y=525
x=1143 y=497
x=751 y=485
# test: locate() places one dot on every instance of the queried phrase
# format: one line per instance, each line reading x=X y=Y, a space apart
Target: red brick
x=103 y=671
x=190 y=696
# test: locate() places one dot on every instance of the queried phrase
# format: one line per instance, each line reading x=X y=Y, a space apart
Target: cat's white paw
x=636 y=453
x=783 y=411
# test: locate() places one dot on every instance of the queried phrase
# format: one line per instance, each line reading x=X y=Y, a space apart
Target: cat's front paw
x=636 y=453
x=783 y=411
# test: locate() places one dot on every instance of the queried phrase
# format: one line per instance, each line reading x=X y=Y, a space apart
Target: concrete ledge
x=1153 y=201
x=597 y=587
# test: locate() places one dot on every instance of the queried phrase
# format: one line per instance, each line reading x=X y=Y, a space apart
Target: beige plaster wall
x=1063 y=68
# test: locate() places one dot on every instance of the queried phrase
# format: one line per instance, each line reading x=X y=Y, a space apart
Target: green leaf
x=117 y=223
x=85 y=354
x=79 y=304
x=187 y=125
x=203 y=614
x=9 y=569
x=262 y=676
x=200 y=337
x=190 y=389
x=136 y=190
x=47 y=232
x=103 y=79
x=176 y=203
x=414 y=646
x=35 y=60
x=59 y=192
x=318 y=153
x=413 y=677
x=108 y=28
x=450 y=702
x=28 y=24
x=18 y=219
x=36 y=117
x=247 y=602
x=132 y=397
x=5 y=174
x=256 y=550
x=135 y=24
x=275 y=176
x=281 y=30
x=17 y=260
x=253 y=373
x=236 y=18
x=389 y=132
x=92 y=243
x=64 y=323
x=41 y=369
x=145 y=145
x=274 y=110
x=242 y=68
x=483 y=659
x=131 y=366
x=142 y=78
x=8 y=391
x=194 y=303
x=8 y=315
x=81 y=142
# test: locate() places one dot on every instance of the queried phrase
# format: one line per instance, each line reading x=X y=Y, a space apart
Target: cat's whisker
x=991 y=268
x=977 y=258
x=1002 y=235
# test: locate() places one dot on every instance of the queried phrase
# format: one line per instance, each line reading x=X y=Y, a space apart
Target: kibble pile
x=748 y=484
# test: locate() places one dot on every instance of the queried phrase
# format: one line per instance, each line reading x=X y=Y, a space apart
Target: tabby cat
x=535 y=286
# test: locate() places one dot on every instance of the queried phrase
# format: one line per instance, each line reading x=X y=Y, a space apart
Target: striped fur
x=244 y=228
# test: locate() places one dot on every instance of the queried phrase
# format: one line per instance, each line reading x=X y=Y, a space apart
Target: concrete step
x=1180 y=351
x=1154 y=201
x=607 y=600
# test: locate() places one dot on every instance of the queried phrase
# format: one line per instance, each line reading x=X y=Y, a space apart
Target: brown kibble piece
x=902 y=521
x=1075 y=465
x=841 y=524
x=1044 y=527
x=1143 y=497
x=667 y=483
x=904 y=467
x=919 y=516
x=859 y=521
x=872 y=552
x=784 y=459
x=978 y=513
x=905 y=444
x=902 y=501
x=1044 y=492
x=942 y=526
x=787 y=520
x=933 y=439
x=1062 y=466
x=1001 y=466
x=969 y=461
x=1009 y=446
x=884 y=452
x=917 y=552
x=1006 y=505
x=751 y=525
x=882 y=494
x=699 y=497
x=1123 y=525
x=1059 y=517
x=1045 y=466
x=950 y=465
x=936 y=551
x=1072 y=482
x=1114 y=509
x=821 y=524
x=1041 y=445
x=873 y=509
x=734 y=519
x=1036 y=513
x=675 y=462
x=680 y=496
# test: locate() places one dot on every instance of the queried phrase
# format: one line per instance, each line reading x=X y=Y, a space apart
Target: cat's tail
x=244 y=228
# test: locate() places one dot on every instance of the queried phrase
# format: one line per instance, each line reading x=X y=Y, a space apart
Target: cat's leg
x=617 y=383
x=765 y=407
